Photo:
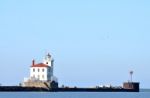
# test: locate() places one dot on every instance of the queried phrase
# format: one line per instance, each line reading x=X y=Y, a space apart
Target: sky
x=93 y=42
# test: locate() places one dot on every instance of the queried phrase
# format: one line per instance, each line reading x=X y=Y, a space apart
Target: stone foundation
x=47 y=85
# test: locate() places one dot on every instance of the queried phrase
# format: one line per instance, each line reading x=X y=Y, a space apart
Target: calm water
x=74 y=95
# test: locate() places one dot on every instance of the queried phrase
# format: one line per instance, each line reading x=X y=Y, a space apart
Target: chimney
x=33 y=62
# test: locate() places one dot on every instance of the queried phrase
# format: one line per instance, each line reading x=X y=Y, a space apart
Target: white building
x=43 y=71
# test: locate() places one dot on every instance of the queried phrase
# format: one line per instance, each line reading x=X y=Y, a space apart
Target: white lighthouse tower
x=48 y=60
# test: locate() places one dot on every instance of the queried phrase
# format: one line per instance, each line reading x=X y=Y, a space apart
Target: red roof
x=39 y=65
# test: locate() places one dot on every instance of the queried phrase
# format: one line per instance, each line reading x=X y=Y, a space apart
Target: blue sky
x=92 y=41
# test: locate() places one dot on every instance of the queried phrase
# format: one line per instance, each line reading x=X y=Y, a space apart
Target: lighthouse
x=42 y=73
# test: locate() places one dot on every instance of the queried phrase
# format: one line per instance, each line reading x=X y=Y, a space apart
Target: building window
x=38 y=70
x=43 y=70
x=33 y=70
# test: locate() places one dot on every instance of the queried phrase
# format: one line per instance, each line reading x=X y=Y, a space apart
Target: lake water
x=74 y=95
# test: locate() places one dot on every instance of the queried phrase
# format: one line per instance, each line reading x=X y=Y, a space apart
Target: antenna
x=131 y=73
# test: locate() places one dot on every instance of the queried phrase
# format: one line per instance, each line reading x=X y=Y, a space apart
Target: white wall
x=40 y=73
